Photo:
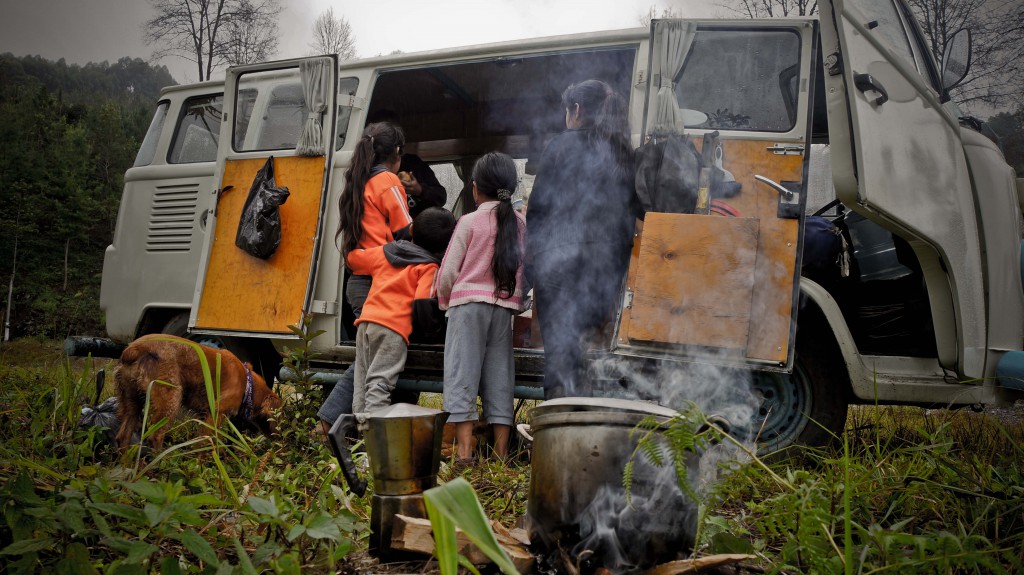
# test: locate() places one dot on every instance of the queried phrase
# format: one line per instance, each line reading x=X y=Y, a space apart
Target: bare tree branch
x=212 y=33
x=333 y=35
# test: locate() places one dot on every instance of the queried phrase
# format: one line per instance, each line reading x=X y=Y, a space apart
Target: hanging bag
x=259 y=229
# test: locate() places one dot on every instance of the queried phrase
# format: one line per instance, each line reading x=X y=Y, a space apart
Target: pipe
x=81 y=346
x=421 y=385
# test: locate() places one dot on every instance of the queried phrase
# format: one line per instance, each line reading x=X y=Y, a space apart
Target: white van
x=851 y=108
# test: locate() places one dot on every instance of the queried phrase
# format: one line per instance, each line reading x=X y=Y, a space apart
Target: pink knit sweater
x=465 y=275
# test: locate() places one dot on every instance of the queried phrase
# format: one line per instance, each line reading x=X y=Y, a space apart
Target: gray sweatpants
x=380 y=357
x=478 y=359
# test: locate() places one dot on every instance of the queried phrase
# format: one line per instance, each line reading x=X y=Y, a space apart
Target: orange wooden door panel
x=245 y=293
x=694 y=281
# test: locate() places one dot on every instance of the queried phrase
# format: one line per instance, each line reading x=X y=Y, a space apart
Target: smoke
x=656 y=524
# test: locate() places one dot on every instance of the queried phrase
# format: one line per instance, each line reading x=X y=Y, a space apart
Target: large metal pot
x=577 y=500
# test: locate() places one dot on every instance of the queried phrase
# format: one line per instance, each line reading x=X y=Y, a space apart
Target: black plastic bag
x=259 y=230
x=103 y=415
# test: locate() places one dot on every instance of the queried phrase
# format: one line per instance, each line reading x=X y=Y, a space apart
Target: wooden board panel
x=245 y=293
x=772 y=303
x=694 y=281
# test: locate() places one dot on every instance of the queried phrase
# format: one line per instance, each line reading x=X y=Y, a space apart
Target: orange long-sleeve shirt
x=394 y=288
x=385 y=210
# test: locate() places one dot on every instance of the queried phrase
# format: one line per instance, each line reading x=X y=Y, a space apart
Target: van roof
x=531 y=44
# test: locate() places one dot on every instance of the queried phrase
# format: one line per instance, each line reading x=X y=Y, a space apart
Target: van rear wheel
x=807 y=407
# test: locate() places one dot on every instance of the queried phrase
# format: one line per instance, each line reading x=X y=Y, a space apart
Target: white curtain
x=316 y=75
x=673 y=39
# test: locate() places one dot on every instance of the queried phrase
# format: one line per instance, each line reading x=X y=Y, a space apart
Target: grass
x=910 y=491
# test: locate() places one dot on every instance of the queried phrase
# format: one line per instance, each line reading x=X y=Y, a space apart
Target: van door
x=898 y=159
x=285 y=111
x=715 y=279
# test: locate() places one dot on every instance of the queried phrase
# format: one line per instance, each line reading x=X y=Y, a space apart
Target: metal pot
x=577 y=500
x=403 y=442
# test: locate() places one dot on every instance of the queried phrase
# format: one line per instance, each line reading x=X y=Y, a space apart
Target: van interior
x=453 y=113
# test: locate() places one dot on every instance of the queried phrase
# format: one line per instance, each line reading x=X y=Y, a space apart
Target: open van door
x=285 y=111
x=897 y=156
x=715 y=280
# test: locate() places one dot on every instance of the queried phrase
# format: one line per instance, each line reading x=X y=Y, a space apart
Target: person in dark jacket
x=580 y=230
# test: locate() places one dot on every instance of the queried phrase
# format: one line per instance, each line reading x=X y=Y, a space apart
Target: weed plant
x=908 y=491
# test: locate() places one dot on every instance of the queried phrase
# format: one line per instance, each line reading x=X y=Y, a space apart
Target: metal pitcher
x=403 y=442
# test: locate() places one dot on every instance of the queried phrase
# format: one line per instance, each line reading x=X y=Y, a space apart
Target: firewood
x=415 y=534
x=697 y=565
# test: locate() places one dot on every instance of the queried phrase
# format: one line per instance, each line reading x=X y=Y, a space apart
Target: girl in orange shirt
x=374 y=210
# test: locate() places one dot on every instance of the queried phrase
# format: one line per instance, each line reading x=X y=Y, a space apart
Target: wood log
x=415 y=534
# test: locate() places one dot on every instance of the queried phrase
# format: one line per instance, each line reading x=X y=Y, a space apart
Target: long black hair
x=380 y=144
x=606 y=113
x=495 y=177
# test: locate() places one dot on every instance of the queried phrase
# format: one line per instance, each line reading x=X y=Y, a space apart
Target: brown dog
x=244 y=395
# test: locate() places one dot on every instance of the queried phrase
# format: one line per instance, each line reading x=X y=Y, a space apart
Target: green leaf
x=201 y=499
x=28 y=546
x=263 y=506
x=445 y=548
x=140 y=551
x=155 y=514
x=76 y=561
x=170 y=566
x=725 y=542
x=322 y=526
x=295 y=532
x=243 y=558
x=199 y=547
x=121 y=510
x=148 y=490
x=457 y=501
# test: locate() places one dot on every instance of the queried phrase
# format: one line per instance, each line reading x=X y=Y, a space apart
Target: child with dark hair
x=402 y=272
x=481 y=284
x=582 y=215
x=373 y=210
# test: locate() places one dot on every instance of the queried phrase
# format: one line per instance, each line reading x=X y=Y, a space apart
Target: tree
x=333 y=35
x=212 y=33
x=773 y=8
x=997 y=45
x=652 y=13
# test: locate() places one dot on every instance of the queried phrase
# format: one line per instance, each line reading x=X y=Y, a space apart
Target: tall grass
x=911 y=491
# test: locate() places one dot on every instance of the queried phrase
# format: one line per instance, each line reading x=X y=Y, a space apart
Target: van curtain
x=673 y=40
x=316 y=75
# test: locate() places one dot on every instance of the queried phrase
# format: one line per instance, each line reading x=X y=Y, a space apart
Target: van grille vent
x=171 y=218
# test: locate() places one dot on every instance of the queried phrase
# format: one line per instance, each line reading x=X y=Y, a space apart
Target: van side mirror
x=956 y=61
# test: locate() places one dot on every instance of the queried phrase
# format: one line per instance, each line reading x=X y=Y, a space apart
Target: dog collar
x=247 y=397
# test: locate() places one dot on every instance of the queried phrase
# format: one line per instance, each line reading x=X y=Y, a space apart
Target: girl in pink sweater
x=480 y=283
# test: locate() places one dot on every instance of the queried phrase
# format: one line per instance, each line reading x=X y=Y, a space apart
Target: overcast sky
x=82 y=31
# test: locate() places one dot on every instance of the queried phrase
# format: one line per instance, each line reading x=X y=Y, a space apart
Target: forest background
x=69 y=132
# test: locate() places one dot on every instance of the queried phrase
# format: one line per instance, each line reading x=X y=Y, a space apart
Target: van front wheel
x=807 y=407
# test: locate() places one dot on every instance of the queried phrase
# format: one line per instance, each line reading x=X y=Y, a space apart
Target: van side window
x=283 y=119
x=195 y=138
x=147 y=151
x=742 y=80
x=346 y=91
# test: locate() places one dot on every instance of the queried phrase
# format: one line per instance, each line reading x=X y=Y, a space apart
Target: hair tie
x=504 y=195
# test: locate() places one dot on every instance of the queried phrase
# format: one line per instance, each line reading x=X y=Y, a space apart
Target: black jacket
x=583 y=199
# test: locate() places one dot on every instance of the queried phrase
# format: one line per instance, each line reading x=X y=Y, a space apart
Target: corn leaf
x=457 y=501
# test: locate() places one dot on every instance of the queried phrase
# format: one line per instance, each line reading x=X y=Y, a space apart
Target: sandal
x=461 y=464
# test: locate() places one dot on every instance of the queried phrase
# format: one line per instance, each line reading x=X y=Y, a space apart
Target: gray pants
x=380 y=358
x=478 y=359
